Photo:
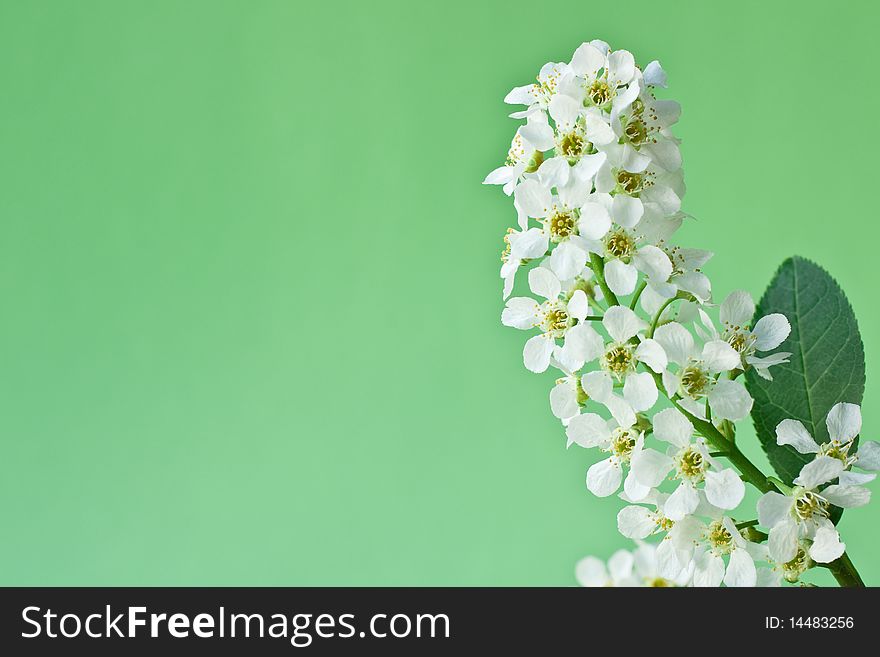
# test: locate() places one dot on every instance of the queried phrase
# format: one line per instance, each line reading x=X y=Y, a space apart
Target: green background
x=250 y=328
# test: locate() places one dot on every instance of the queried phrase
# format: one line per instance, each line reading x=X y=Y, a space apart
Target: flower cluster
x=624 y=314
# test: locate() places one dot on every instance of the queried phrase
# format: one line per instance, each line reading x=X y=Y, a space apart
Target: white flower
x=638 y=568
x=555 y=317
x=620 y=442
x=690 y=462
x=768 y=333
x=559 y=216
x=844 y=422
x=525 y=154
x=537 y=96
x=804 y=512
x=697 y=377
x=620 y=359
x=602 y=78
x=718 y=539
x=686 y=277
x=592 y=572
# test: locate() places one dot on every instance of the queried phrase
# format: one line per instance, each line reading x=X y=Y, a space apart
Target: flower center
x=630 y=183
x=792 y=570
x=808 y=504
x=659 y=582
x=561 y=225
x=691 y=464
x=837 y=450
x=572 y=145
x=622 y=444
x=620 y=244
x=719 y=538
x=636 y=132
x=556 y=319
x=618 y=359
x=599 y=92
x=695 y=381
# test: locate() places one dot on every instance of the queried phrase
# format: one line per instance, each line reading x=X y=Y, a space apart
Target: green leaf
x=827 y=360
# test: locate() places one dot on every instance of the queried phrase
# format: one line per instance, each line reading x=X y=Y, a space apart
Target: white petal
x=653 y=262
x=521 y=95
x=554 y=172
x=773 y=508
x=536 y=353
x=718 y=356
x=666 y=153
x=869 y=455
x=621 y=277
x=582 y=345
x=771 y=331
x=654 y=75
x=590 y=572
x=636 y=522
x=794 y=433
x=640 y=391
x=724 y=489
x=533 y=198
x=737 y=309
x=621 y=66
x=565 y=111
x=826 y=545
x=626 y=210
x=850 y=478
x=598 y=131
x=729 y=400
x=844 y=422
x=521 y=313
x=676 y=341
x=588 y=166
x=741 y=569
x=682 y=502
x=621 y=411
x=578 y=305
x=819 y=471
x=651 y=354
x=672 y=426
x=847 y=497
x=587 y=59
x=671 y=560
x=587 y=430
x=651 y=467
x=594 y=221
x=622 y=323
x=603 y=478
x=544 y=282
x=499 y=176
x=620 y=565
x=563 y=401
x=597 y=385
x=708 y=571
x=667 y=111
x=783 y=542
x=539 y=134
x=635 y=491
x=568 y=260
x=531 y=243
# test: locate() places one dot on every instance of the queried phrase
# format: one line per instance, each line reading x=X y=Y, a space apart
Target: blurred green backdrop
x=251 y=309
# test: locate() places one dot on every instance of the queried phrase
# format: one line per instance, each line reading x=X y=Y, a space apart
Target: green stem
x=656 y=319
x=597 y=264
x=844 y=571
x=639 y=290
